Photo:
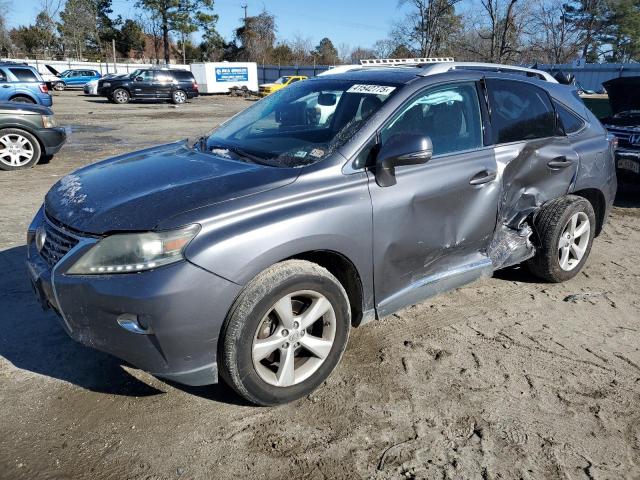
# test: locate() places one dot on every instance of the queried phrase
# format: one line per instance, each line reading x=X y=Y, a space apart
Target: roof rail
x=404 y=61
x=487 y=67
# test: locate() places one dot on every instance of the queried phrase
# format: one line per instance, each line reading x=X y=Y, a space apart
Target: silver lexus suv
x=250 y=253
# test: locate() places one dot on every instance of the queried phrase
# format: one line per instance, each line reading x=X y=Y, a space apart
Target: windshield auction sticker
x=371 y=89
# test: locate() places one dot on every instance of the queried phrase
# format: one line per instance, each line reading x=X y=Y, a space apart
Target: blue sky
x=357 y=23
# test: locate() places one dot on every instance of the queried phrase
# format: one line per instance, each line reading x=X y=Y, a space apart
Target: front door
x=431 y=229
x=143 y=86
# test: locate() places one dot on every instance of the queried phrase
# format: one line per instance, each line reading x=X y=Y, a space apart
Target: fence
x=270 y=73
x=593 y=75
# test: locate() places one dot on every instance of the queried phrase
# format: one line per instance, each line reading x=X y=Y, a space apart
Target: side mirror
x=139 y=79
x=401 y=149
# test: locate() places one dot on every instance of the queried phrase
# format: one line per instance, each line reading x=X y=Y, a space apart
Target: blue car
x=75 y=78
x=21 y=83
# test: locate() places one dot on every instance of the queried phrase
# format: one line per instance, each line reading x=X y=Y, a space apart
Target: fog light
x=130 y=322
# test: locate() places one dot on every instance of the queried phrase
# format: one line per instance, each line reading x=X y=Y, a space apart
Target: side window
x=146 y=75
x=3 y=76
x=293 y=80
x=24 y=74
x=570 y=122
x=163 y=77
x=449 y=115
x=519 y=111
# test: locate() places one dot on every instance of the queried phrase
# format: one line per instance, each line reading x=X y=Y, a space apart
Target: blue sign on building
x=232 y=74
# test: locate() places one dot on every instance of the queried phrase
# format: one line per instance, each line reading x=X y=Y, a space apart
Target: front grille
x=56 y=244
x=624 y=136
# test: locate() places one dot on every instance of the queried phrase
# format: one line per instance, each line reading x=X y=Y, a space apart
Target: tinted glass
x=163 y=77
x=24 y=74
x=519 y=111
x=147 y=75
x=182 y=75
x=448 y=115
x=570 y=122
x=3 y=76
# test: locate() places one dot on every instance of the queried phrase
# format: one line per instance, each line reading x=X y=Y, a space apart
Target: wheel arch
x=25 y=95
x=345 y=271
x=597 y=200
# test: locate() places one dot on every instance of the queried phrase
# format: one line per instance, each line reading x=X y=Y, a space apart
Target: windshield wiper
x=238 y=151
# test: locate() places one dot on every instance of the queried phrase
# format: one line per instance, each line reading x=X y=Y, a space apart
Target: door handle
x=5 y=86
x=484 y=176
x=559 y=162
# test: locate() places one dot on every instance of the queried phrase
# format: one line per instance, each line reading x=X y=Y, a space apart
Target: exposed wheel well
x=596 y=198
x=22 y=95
x=346 y=273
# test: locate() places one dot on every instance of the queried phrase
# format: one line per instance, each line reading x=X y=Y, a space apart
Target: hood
x=24 y=108
x=135 y=192
x=624 y=94
x=52 y=70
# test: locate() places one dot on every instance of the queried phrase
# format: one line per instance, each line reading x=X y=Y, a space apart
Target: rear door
x=537 y=160
x=432 y=227
x=163 y=83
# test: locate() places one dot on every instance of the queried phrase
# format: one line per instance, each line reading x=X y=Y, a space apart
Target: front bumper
x=52 y=139
x=181 y=307
x=628 y=165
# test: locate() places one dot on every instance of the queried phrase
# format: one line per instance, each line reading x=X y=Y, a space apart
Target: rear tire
x=59 y=86
x=179 y=97
x=23 y=99
x=285 y=333
x=565 y=228
x=18 y=149
x=120 y=96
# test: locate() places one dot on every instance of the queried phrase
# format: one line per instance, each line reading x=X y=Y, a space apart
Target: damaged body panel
x=393 y=184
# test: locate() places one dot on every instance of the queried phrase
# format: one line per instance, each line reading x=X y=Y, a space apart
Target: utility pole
x=184 y=51
x=244 y=7
x=113 y=46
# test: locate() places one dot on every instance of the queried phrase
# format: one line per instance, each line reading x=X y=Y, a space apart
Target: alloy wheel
x=294 y=338
x=15 y=150
x=179 y=97
x=574 y=241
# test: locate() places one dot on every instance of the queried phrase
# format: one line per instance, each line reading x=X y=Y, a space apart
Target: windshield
x=67 y=73
x=301 y=124
x=281 y=80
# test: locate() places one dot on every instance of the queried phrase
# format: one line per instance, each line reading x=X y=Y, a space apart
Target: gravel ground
x=505 y=378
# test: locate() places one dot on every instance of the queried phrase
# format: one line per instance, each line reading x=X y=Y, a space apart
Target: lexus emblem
x=41 y=237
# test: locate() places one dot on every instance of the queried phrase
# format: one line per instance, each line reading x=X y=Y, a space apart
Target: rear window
x=24 y=74
x=519 y=111
x=182 y=75
x=571 y=123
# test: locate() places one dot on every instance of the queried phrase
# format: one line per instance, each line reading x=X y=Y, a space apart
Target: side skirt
x=435 y=284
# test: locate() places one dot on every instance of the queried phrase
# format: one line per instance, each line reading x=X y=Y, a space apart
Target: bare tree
x=152 y=27
x=553 y=39
x=428 y=27
x=496 y=34
x=300 y=48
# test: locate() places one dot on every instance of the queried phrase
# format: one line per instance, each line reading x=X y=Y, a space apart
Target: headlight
x=48 y=121
x=106 y=84
x=134 y=252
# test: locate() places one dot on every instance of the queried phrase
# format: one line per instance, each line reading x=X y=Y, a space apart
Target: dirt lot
x=506 y=378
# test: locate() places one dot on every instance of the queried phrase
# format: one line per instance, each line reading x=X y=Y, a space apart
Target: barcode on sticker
x=371 y=89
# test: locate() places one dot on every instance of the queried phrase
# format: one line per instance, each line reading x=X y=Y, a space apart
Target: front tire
x=285 y=333
x=59 y=86
x=566 y=228
x=120 y=96
x=18 y=149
